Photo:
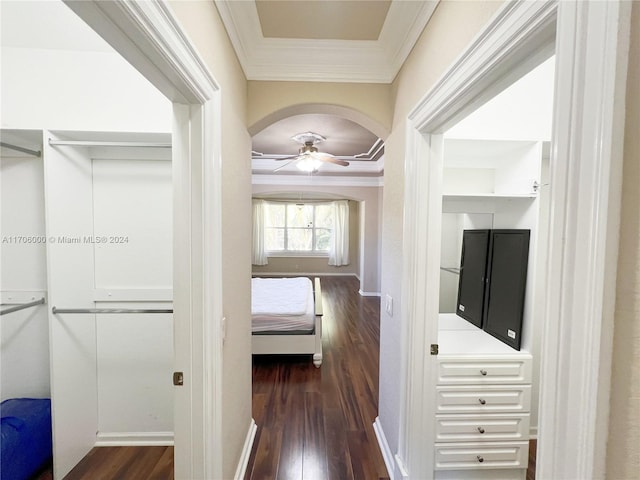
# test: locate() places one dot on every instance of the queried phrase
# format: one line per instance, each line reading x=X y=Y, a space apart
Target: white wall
x=57 y=74
x=132 y=204
x=78 y=90
x=24 y=335
x=520 y=112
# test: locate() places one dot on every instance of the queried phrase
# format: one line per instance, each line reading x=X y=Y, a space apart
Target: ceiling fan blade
x=286 y=158
x=286 y=164
x=331 y=159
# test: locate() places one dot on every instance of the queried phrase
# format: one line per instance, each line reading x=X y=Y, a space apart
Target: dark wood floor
x=318 y=423
x=120 y=463
x=312 y=423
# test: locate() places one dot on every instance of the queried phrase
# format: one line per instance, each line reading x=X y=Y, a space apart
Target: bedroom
x=234 y=140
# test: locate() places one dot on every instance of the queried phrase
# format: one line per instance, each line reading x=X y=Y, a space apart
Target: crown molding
x=317 y=180
x=356 y=167
x=361 y=61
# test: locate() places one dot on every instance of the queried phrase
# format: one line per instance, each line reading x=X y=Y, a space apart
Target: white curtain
x=339 y=251
x=258 y=254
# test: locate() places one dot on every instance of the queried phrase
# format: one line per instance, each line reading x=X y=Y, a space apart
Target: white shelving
x=484 y=388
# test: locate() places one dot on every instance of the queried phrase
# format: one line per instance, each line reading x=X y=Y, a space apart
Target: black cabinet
x=473 y=272
x=499 y=258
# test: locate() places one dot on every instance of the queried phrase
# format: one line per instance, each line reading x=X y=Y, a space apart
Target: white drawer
x=482 y=427
x=459 y=371
x=483 y=399
x=481 y=455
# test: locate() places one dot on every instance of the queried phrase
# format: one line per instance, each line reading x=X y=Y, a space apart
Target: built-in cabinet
x=483 y=404
x=485 y=393
x=88 y=225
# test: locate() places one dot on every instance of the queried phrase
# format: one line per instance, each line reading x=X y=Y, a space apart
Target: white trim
x=585 y=200
x=133 y=295
x=357 y=166
x=317 y=180
x=364 y=61
x=246 y=451
x=302 y=274
x=387 y=455
x=148 y=35
x=131 y=439
x=369 y=294
x=533 y=432
x=401 y=466
x=21 y=296
x=586 y=179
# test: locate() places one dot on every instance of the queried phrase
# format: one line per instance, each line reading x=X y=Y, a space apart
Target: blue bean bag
x=26 y=445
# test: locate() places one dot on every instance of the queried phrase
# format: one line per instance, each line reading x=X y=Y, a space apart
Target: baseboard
x=301 y=274
x=246 y=451
x=368 y=294
x=141 y=439
x=533 y=432
x=384 y=448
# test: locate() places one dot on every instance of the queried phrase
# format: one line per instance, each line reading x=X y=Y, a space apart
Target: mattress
x=282 y=305
x=26 y=437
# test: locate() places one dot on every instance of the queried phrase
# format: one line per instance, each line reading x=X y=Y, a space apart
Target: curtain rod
x=92 y=143
x=35 y=153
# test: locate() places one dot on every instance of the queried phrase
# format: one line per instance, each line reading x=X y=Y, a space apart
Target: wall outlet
x=388 y=304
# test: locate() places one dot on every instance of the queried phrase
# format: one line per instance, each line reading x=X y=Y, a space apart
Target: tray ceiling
x=363 y=41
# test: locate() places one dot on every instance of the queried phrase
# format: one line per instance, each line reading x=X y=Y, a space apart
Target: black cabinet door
x=473 y=271
x=505 y=292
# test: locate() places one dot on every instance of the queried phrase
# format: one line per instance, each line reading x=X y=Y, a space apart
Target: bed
x=286 y=316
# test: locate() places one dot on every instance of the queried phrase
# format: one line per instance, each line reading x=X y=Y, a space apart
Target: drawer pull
x=482 y=401
x=480 y=459
x=483 y=373
x=481 y=430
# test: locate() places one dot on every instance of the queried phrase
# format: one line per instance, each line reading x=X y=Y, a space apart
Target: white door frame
x=149 y=37
x=591 y=45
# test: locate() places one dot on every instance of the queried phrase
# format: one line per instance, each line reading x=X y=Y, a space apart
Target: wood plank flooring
x=318 y=423
x=312 y=423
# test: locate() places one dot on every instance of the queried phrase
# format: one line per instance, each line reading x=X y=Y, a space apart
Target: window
x=298 y=227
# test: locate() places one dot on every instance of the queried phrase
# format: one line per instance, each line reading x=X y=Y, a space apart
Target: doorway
x=578 y=330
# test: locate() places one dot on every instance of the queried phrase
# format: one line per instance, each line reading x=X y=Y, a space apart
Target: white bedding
x=282 y=305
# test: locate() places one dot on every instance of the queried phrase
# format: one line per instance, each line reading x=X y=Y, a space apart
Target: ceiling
x=338 y=41
x=344 y=139
x=364 y=41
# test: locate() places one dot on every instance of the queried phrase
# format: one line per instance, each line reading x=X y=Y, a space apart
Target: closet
x=105 y=210
x=24 y=331
x=484 y=407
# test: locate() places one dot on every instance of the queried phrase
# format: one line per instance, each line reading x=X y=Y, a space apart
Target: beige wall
x=319 y=265
x=370 y=203
x=205 y=30
x=270 y=101
x=623 y=451
x=453 y=26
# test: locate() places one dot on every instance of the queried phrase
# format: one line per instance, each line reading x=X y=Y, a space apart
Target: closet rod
x=451 y=270
x=10 y=146
x=56 y=310
x=22 y=306
x=88 y=143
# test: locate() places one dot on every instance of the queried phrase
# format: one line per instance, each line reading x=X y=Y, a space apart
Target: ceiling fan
x=309 y=158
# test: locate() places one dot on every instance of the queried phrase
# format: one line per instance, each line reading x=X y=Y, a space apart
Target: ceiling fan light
x=309 y=164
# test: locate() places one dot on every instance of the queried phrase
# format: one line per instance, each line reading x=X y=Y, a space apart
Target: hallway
x=318 y=423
